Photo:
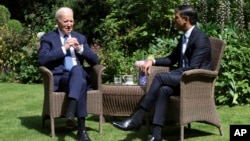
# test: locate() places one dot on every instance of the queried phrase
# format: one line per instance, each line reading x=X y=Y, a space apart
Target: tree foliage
x=123 y=31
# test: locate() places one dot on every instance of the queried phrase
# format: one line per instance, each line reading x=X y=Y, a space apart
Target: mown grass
x=20 y=120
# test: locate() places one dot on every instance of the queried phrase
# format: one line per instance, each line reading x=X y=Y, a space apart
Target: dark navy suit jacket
x=165 y=84
x=197 y=55
x=50 y=54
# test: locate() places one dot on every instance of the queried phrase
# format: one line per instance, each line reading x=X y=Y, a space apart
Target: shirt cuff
x=153 y=60
x=81 y=50
x=151 y=57
x=64 y=50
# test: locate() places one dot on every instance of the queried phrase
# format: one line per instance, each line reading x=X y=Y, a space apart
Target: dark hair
x=187 y=10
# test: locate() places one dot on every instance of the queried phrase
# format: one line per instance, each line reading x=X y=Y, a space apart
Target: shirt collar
x=188 y=33
x=61 y=34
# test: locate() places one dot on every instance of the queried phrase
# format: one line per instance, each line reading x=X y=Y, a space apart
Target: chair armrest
x=197 y=83
x=47 y=75
x=48 y=80
x=96 y=75
x=198 y=73
x=44 y=70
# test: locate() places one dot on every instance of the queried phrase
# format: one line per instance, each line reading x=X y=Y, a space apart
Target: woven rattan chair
x=55 y=103
x=196 y=100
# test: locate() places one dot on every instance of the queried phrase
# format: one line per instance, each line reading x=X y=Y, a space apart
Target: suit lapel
x=57 y=38
x=191 y=39
x=74 y=35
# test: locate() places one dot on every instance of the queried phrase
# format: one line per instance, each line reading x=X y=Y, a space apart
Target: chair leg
x=182 y=133
x=52 y=127
x=43 y=121
x=100 y=122
x=221 y=132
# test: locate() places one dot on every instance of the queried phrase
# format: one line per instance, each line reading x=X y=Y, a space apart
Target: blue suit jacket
x=51 y=55
x=197 y=55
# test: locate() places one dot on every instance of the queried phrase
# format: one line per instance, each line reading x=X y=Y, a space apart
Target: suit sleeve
x=171 y=59
x=197 y=55
x=88 y=55
x=49 y=52
x=200 y=53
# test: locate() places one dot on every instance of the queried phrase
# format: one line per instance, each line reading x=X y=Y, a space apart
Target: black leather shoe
x=152 y=138
x=127 y=125
x=83 y=136
x=70 y=122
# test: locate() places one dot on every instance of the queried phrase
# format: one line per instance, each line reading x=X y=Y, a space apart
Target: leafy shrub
x=162 y=46
x=18 y=57
x=128 y=30
x=233 y=84
x=40 y=18
x=122 y=32
x=4 y=15
x=15 y=26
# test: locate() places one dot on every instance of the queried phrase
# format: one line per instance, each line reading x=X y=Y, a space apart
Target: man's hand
x=146 y=67
x=72 y=42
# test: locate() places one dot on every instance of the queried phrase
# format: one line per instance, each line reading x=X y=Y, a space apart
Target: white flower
x=40 y=34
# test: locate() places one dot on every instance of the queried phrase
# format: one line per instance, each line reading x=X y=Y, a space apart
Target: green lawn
x=20 y=120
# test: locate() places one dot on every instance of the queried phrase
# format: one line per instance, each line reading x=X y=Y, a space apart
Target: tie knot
x=66 y=36
x=184 y=37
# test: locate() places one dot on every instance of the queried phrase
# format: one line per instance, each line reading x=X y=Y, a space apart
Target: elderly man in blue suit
x=63 y=52
x=193 y=51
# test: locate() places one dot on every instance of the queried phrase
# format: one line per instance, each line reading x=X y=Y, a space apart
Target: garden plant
x=122 y=32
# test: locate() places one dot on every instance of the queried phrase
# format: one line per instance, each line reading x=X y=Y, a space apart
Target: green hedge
x=122 y=32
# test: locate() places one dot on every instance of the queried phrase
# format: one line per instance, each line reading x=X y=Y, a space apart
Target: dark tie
x=68 y=64
x=65 y=38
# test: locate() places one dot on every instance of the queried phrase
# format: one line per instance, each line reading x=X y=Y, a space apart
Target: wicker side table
x=121 y=100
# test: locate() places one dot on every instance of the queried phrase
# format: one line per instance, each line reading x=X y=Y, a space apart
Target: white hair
x=61 y=10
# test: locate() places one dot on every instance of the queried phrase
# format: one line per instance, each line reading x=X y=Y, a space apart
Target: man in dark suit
x=63 y=52
x=192 y=52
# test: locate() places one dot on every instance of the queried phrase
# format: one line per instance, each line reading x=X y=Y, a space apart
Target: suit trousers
x=75 y=84
x=163 y=86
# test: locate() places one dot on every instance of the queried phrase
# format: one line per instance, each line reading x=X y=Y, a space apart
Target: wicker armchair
x=196 y=100
x=55 y=103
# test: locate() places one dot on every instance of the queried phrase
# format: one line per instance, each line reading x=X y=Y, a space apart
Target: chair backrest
x=217 y=51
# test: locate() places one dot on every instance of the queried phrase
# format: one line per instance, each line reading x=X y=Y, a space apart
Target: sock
x=138 y=115
x=81 y=124
x=72 y=106
x=157 y=131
